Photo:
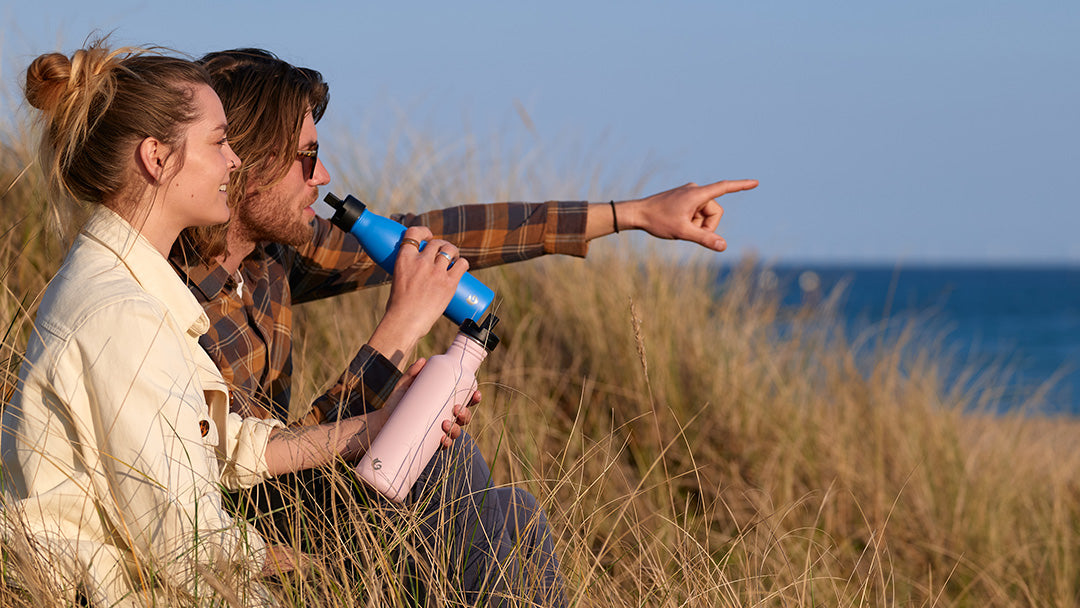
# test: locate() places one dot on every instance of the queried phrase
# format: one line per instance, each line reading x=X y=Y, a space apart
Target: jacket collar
x=147 y=266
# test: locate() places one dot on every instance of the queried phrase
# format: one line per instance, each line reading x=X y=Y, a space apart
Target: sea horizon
x=1019 y=320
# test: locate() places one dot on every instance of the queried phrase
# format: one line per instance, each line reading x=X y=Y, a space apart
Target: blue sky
x=922 y=131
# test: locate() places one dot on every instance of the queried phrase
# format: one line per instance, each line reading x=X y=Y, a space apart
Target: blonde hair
x=97 y=105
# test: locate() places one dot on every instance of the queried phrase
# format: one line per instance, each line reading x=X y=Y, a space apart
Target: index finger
x=728 y=186
x=419 y=233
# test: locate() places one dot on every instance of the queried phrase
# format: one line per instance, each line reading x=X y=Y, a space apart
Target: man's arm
x=364 y=386
x=500 y=233
x=687 y=213
x=486 y=235
x=489 y=235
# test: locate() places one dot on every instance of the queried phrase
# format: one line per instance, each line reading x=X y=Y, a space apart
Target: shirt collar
x=147 y=266
x=209 y=280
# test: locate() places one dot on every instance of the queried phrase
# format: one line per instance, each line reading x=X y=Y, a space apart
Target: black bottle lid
x=346 y=212
x=482 y=333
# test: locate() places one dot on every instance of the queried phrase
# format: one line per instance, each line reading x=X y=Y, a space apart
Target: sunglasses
x=308 y=159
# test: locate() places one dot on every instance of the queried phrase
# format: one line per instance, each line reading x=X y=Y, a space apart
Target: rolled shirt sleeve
x=243 y=448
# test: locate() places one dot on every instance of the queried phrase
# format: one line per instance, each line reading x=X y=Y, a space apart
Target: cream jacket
x=119 y=432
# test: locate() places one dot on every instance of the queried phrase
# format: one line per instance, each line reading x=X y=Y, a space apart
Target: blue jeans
x=496 y=540
x=500 y=536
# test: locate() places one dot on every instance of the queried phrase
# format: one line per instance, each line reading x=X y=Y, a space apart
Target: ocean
x=1025 y=320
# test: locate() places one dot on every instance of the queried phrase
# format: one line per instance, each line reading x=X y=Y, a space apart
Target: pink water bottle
x=414 y=432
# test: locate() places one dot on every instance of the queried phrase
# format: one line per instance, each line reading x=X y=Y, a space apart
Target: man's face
x=282 y=213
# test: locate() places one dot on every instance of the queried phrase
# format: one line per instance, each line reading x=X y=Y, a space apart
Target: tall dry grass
x=693 y=442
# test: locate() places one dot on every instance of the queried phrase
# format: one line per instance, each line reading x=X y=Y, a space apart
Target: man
x=275 y=252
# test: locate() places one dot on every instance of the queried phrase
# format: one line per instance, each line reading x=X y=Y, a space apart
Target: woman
x=117 y=436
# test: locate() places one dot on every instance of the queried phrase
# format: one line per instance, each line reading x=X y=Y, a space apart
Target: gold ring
x=413 y=242
x=448 y=257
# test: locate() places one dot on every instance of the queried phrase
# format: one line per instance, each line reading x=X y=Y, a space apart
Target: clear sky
x=929 y=130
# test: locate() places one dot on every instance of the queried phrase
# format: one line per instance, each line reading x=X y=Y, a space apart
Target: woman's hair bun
x=98 y=105
x=47 y=79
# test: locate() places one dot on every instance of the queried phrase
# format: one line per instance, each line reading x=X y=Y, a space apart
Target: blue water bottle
x=381 y=239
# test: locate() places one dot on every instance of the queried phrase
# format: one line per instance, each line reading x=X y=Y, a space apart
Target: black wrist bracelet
x=614 y=217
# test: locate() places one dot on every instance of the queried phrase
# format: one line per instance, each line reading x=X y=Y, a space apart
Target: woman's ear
x=152 y=155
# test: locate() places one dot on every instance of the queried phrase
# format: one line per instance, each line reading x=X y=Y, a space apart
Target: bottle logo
x=376 y=464
x=472 y=299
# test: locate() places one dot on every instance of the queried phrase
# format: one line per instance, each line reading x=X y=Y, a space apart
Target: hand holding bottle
x=357 y=445
x=462 y=417
x=462 y=412
x=382 y=239
x=422 y=286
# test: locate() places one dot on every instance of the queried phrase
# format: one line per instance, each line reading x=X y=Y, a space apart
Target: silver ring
x=448 y=257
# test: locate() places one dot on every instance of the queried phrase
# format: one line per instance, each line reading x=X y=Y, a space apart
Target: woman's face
x=196 y=194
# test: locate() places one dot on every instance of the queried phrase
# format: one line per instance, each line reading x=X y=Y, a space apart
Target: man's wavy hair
x=265 y=101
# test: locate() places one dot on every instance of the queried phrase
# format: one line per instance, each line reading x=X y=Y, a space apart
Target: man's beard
x=267 y=218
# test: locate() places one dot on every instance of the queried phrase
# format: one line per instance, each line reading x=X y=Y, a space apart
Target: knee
x=526 y=511
x=525 y=503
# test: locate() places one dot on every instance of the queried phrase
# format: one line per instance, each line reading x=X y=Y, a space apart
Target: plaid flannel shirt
x=250 y=337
